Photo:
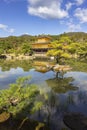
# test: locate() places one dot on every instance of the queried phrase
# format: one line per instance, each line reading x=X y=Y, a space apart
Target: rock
x=4 y=117
x=61 y=68
x=75 y=121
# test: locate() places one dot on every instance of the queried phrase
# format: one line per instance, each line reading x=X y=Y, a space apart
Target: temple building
x=41 y=46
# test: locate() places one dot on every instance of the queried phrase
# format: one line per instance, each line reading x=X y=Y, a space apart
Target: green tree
x=60 y=49
x=20 y=98
x=79 y=50
x=26 y=49
x=1 y=51
x=82 y=51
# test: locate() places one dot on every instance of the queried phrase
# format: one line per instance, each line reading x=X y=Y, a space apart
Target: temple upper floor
x=43 y=39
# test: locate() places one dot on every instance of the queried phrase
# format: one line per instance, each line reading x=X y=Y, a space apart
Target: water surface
x=70 y=93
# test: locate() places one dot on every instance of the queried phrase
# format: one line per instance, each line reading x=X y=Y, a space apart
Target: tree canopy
x=20 y=98
x=60 y=49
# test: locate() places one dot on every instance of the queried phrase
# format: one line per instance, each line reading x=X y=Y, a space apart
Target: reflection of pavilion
x=61 y=85
x=41 y=46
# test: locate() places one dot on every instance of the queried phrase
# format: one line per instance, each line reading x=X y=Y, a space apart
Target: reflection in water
x=61 y=85
x=56 y=107
x=26 y=65
x=80 y=79
x=61 y=95
x=8 y=77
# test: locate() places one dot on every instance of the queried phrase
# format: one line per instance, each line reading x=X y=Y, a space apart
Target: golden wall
x=42 y=40
x=40 y=45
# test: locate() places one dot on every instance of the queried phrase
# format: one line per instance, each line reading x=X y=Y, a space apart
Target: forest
x=66 y=45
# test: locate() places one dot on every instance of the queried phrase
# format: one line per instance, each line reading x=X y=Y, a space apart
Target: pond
x=69 y=93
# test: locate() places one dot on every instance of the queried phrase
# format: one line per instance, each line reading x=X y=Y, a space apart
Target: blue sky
x=34 y=17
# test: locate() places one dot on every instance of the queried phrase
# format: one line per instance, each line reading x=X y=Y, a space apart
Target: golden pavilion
x=41 y=46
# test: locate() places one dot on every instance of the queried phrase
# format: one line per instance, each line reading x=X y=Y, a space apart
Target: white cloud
x=47 y=9
x=3 y=27
x=11 y=30
x=81 y=14
x=33 y=1
x=73 y=27
x=79 y=2
x=76 y=2
x=6 y=28
x=69 y=5
x=26 y=33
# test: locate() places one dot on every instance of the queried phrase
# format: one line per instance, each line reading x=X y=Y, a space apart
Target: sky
x=34 y=17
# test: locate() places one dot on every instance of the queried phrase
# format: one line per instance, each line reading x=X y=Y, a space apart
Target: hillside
x=22 y=44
